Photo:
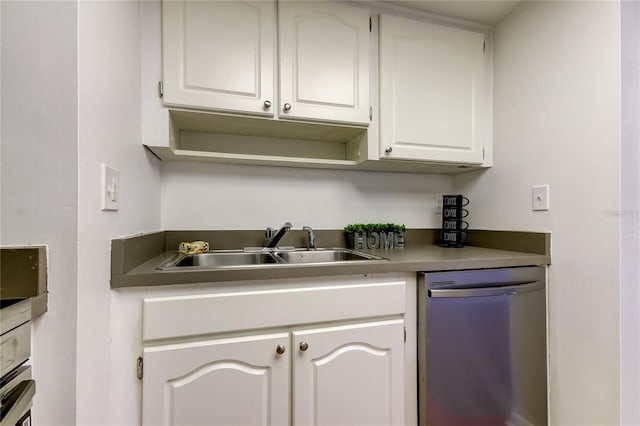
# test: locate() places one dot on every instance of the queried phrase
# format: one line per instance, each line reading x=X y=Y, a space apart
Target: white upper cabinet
x=219 y=55
x=433 y=102
x=319 y=86
x=324 y=61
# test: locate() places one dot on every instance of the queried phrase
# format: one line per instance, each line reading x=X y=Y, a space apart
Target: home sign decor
x=374 y=236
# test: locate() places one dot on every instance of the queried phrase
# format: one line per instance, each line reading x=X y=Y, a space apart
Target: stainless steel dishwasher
x=482 y=347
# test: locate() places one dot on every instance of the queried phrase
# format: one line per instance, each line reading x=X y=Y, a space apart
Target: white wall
x=630 y=232
x=39 y=169
x=109 y=131
x=214 y=196
x=557 y=122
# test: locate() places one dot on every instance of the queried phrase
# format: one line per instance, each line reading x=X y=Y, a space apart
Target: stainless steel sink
x=219 y=259
x=239 y=258
x=215 y=260
x=324 y=256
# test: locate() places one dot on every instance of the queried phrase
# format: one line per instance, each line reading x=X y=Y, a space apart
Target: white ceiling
x=487 y=12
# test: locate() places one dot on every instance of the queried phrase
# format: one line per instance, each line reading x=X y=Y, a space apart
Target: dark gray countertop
x=134 y=259
x=24 y=274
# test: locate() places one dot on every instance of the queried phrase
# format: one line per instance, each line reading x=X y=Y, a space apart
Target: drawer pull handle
x=280 y=349
x=304 y=346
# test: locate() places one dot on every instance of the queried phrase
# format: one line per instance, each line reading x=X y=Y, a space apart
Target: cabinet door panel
x=432 y=94
x=239 y=381
x=350 y=375
x=219 y=54
x=324 y=61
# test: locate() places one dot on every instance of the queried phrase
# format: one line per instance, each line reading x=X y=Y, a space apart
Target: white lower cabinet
x=345 y=375
x=236 y=381
x=349 y=375
x=322 y=365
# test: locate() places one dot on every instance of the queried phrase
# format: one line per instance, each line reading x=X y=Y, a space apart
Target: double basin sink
x=257 y=257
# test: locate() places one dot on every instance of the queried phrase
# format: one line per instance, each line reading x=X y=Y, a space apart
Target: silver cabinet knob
x=388 y=150
x=267 y=104
x=287 y=106
x=280 y=349
x=304 y=346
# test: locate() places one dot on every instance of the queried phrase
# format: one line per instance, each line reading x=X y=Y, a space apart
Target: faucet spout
x=273 y=237
x=311 y=237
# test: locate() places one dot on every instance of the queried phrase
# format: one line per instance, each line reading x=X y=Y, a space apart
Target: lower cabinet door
x=234 y=381
x=349 y=375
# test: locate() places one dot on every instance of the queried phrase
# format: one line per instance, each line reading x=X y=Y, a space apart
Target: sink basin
x=324 y=256
x=239 y=258
x=218 y=259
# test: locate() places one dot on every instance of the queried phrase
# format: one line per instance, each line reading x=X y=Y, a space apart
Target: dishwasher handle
x=487 y=291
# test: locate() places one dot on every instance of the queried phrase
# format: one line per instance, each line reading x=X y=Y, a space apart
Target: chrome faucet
x=312 y=237
x=273 y=237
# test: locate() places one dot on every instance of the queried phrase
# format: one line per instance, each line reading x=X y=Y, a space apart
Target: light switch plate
x=540 y=198
x=110 y=188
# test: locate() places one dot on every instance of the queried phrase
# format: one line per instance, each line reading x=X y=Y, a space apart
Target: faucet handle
x=269 y=232
x=273 y=236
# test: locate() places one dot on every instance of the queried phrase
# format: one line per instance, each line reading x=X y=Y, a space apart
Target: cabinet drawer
x=15 y=347
x=181 y=316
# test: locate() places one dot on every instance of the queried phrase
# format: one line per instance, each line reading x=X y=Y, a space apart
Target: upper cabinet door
x=324 y=62
x=219 y=55
x=432 y=92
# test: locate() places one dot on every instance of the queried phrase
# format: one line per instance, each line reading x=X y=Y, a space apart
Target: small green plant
x=375 y=227
x=356 y=227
